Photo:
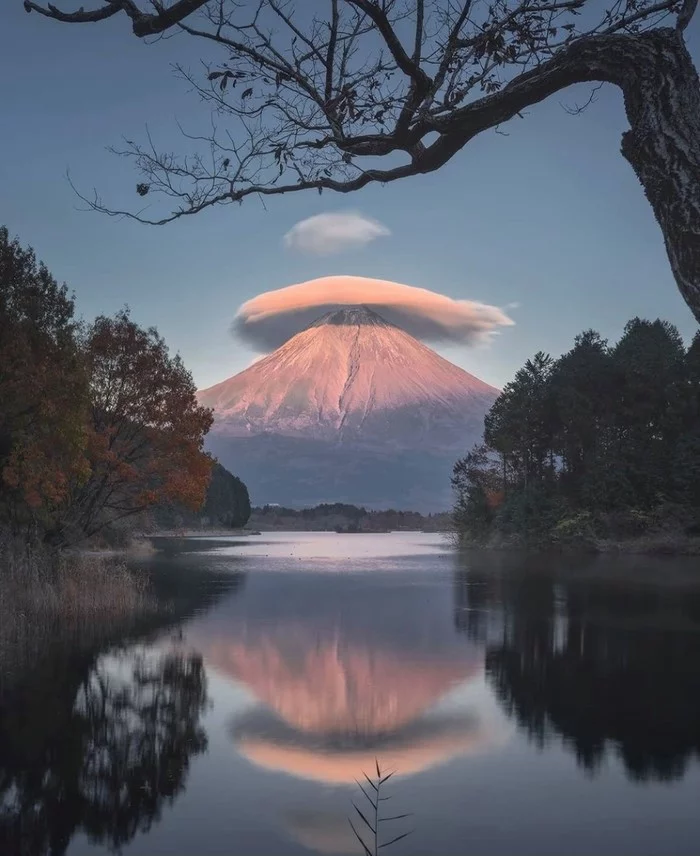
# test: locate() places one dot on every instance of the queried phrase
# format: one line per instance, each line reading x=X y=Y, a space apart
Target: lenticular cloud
x=268 y=320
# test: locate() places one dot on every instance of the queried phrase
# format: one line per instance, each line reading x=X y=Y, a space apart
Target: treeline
x=602 y=443
x=99 y=423
x=340 y=517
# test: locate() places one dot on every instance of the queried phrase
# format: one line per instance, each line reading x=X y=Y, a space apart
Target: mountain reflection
x=332 y=684
x=337 y=687
x=98 y=749
x=608 y=665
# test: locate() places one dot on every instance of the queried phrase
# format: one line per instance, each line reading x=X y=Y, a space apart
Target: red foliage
x=146 y=431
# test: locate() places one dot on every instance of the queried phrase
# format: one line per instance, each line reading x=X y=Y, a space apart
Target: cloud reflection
x=341 y=758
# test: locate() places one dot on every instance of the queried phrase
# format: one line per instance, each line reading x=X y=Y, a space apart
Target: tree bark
x=662 y=102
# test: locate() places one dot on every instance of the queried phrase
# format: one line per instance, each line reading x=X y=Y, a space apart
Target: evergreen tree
x=227 y=503
x=649 y=364
x=602 y=431
x=582 y=389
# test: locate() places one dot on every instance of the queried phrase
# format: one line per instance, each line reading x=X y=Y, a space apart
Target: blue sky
x=550 y=217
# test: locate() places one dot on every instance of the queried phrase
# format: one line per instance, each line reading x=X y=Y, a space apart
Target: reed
x=371 y=820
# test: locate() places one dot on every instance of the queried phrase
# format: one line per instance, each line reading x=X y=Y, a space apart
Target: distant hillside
x=340 y=517
x=298 y=473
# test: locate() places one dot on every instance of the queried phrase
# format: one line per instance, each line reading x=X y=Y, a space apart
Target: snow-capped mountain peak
x=351 y=377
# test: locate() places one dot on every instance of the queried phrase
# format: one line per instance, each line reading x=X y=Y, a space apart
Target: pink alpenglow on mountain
x=352 y=377
x=351 y=409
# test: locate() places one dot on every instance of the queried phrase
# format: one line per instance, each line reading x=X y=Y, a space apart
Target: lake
x=526 y=705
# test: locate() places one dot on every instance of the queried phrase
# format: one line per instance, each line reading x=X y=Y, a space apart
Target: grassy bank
x=43 y=593
x=665 y=531
x=647 y=545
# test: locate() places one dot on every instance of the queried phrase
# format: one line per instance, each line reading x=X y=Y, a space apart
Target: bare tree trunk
x=662 y=101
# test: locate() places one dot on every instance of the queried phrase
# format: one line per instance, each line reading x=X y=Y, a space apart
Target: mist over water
x=527 y=705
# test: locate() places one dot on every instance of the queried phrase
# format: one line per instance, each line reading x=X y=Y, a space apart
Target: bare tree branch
x=300 y=100
x=79 y=17
x=143 y=24
x=577 y=109
x=375 y=13
x=312 y=99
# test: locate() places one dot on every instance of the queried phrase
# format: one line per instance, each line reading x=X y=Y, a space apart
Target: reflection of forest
x=98 y=742
x=613 y=667
x=101 y=752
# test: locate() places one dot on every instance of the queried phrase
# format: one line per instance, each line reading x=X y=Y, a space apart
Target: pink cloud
x=269 y=319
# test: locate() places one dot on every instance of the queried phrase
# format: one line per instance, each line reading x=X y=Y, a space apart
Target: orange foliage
x=146 y=431
x=93 y=427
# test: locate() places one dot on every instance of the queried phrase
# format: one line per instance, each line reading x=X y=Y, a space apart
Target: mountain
x=351 y=409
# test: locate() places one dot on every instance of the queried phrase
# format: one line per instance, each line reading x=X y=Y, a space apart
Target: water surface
x=539 y=706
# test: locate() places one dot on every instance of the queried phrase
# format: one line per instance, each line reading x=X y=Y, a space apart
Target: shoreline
x=659 y=546
x=198 y=533
x=644 y=545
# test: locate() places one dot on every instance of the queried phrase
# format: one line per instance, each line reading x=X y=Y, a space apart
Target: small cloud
x=325 y=234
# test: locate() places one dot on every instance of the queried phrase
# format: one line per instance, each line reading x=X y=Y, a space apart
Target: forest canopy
x=604 y=441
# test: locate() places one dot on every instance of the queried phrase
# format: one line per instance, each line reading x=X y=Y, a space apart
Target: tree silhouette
x=412 y=82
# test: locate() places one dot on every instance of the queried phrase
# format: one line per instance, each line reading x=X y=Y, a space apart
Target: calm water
x=527 y=706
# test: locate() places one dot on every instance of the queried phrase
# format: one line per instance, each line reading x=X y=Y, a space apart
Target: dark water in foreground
x=528 y=706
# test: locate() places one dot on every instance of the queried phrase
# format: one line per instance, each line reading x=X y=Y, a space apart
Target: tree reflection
x=97 y=749
x=610 y=667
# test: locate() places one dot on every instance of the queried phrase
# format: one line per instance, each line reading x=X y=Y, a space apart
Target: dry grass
x=43 y=593
x=36 y=581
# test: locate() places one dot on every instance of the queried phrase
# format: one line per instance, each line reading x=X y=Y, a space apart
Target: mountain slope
x=352 y=378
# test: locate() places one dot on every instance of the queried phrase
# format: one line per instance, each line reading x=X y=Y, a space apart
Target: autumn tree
x=412 y=82
x=43 y=390
x=145 y=431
